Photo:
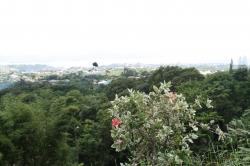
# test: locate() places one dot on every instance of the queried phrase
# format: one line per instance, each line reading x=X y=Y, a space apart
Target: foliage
x=220 y=87
x=174 y=74
x=157 y=128
x=36 y=125
x=27 y=139
x=68 y=122
x=239 y=134
x=240 y=74
x=191 y=89
x=242 y=91
x=95 y=64
x=129 y=72
x=145 y=73
x=119 y=87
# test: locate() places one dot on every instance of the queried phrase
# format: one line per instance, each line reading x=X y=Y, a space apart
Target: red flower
x=119 y=143
x=115 y=122
x=172 y=96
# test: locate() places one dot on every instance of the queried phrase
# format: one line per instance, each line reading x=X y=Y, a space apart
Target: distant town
x=10 y=74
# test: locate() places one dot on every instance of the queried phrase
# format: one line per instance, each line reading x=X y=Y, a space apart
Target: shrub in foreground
x=157 y=128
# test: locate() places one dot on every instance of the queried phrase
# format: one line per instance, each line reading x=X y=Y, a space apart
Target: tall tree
x=231 y=67
x=95 y=65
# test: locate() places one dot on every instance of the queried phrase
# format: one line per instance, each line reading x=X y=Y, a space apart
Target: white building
x=104 y=82
x=4 y=69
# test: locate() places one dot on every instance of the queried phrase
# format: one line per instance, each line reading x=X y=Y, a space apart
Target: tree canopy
x=69 y=122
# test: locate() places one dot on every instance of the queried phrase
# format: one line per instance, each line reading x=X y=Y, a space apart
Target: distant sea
x=88 y=63
x=62 y=63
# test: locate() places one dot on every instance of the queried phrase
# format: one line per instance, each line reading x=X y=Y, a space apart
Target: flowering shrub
x=157 y=128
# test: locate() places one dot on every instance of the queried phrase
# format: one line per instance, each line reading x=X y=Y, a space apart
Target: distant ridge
x=32 y=67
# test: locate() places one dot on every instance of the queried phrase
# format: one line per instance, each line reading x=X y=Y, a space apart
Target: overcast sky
x=107 y=31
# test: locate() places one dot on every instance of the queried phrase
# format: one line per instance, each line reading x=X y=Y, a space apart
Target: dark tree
x=95 y=65
x=231 y=67
x=240 y=74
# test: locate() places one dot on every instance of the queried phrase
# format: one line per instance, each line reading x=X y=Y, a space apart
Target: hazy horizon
x=88 y=63
x=102 y=62
x=114 y=31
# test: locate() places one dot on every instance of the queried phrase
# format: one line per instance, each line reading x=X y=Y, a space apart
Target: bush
x=156 y=128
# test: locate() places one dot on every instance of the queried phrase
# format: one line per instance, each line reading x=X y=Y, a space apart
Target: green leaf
x=194 y=136
x=246 y=158
x=155 y=89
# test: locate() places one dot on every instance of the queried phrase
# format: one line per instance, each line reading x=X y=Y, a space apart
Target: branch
x=139 y=155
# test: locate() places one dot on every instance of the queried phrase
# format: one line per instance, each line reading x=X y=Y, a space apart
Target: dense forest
x=69 y=123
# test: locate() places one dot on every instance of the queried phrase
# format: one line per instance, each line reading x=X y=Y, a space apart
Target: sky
x=63 y=32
